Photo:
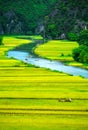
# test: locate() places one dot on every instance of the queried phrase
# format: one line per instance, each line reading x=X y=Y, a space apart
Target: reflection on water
x=53 y=65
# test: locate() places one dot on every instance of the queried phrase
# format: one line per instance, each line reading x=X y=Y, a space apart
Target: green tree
x=83 y=38
x=1 y=40
x=80 y=54
x=72 y=36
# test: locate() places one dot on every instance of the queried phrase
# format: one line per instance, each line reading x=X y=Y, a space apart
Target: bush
x=80 y=54
x=86 y=58
x=1 y=40
x=83 y=38
x=84 y=55
x=72 y=36
x=76 y=53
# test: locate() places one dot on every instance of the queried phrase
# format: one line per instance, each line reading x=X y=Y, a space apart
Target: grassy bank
x=30 y=96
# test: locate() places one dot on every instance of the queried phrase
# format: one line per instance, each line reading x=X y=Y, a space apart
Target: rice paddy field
x=33 y=98
x=59 y=50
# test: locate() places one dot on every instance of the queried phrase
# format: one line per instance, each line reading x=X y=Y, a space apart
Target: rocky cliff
x=12 y=23
x=67 y=16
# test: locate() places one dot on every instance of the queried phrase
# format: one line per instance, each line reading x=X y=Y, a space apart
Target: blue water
x=53 y=65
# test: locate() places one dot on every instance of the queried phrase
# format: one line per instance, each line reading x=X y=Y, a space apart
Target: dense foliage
x=72 y=36
x=51 y=18
x=83 y=38
x=67 y=16
x=1 y=40
x=32 y=12
x=81 y=53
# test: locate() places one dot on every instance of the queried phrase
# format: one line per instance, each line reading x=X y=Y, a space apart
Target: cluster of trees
x=80 y=54
x=32 y=12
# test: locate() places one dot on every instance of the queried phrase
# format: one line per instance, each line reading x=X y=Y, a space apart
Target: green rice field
x=33 y=98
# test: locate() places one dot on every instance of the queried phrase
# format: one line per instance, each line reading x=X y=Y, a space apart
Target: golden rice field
x=33 y=98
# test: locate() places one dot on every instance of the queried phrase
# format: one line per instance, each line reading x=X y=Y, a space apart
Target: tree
x=83 y=37
x=72 y=36
x=76 y=53
x=1 y=40
x=80 y=54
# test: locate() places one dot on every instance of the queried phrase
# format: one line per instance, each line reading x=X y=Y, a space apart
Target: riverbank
x=53 y=65
x=60 y=50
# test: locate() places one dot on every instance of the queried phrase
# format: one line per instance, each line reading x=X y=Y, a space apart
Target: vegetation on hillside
x=30 y=12
x=67 y=16
x=51 y=18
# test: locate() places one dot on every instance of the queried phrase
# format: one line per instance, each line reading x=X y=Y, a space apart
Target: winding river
x=45 y=63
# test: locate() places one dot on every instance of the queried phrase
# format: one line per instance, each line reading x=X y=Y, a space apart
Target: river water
x=45 y=63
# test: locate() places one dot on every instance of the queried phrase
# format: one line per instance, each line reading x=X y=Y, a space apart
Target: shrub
x=72 y=36
x=83 y=38
x=76 y=53
x=1 y=40
x=62 y=54
x=81 y=54
x=86 y=58
x=84 y=55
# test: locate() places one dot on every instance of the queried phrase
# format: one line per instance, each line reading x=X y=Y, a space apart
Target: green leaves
x=80 y=54
x=72 y=36
x=83 y=38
